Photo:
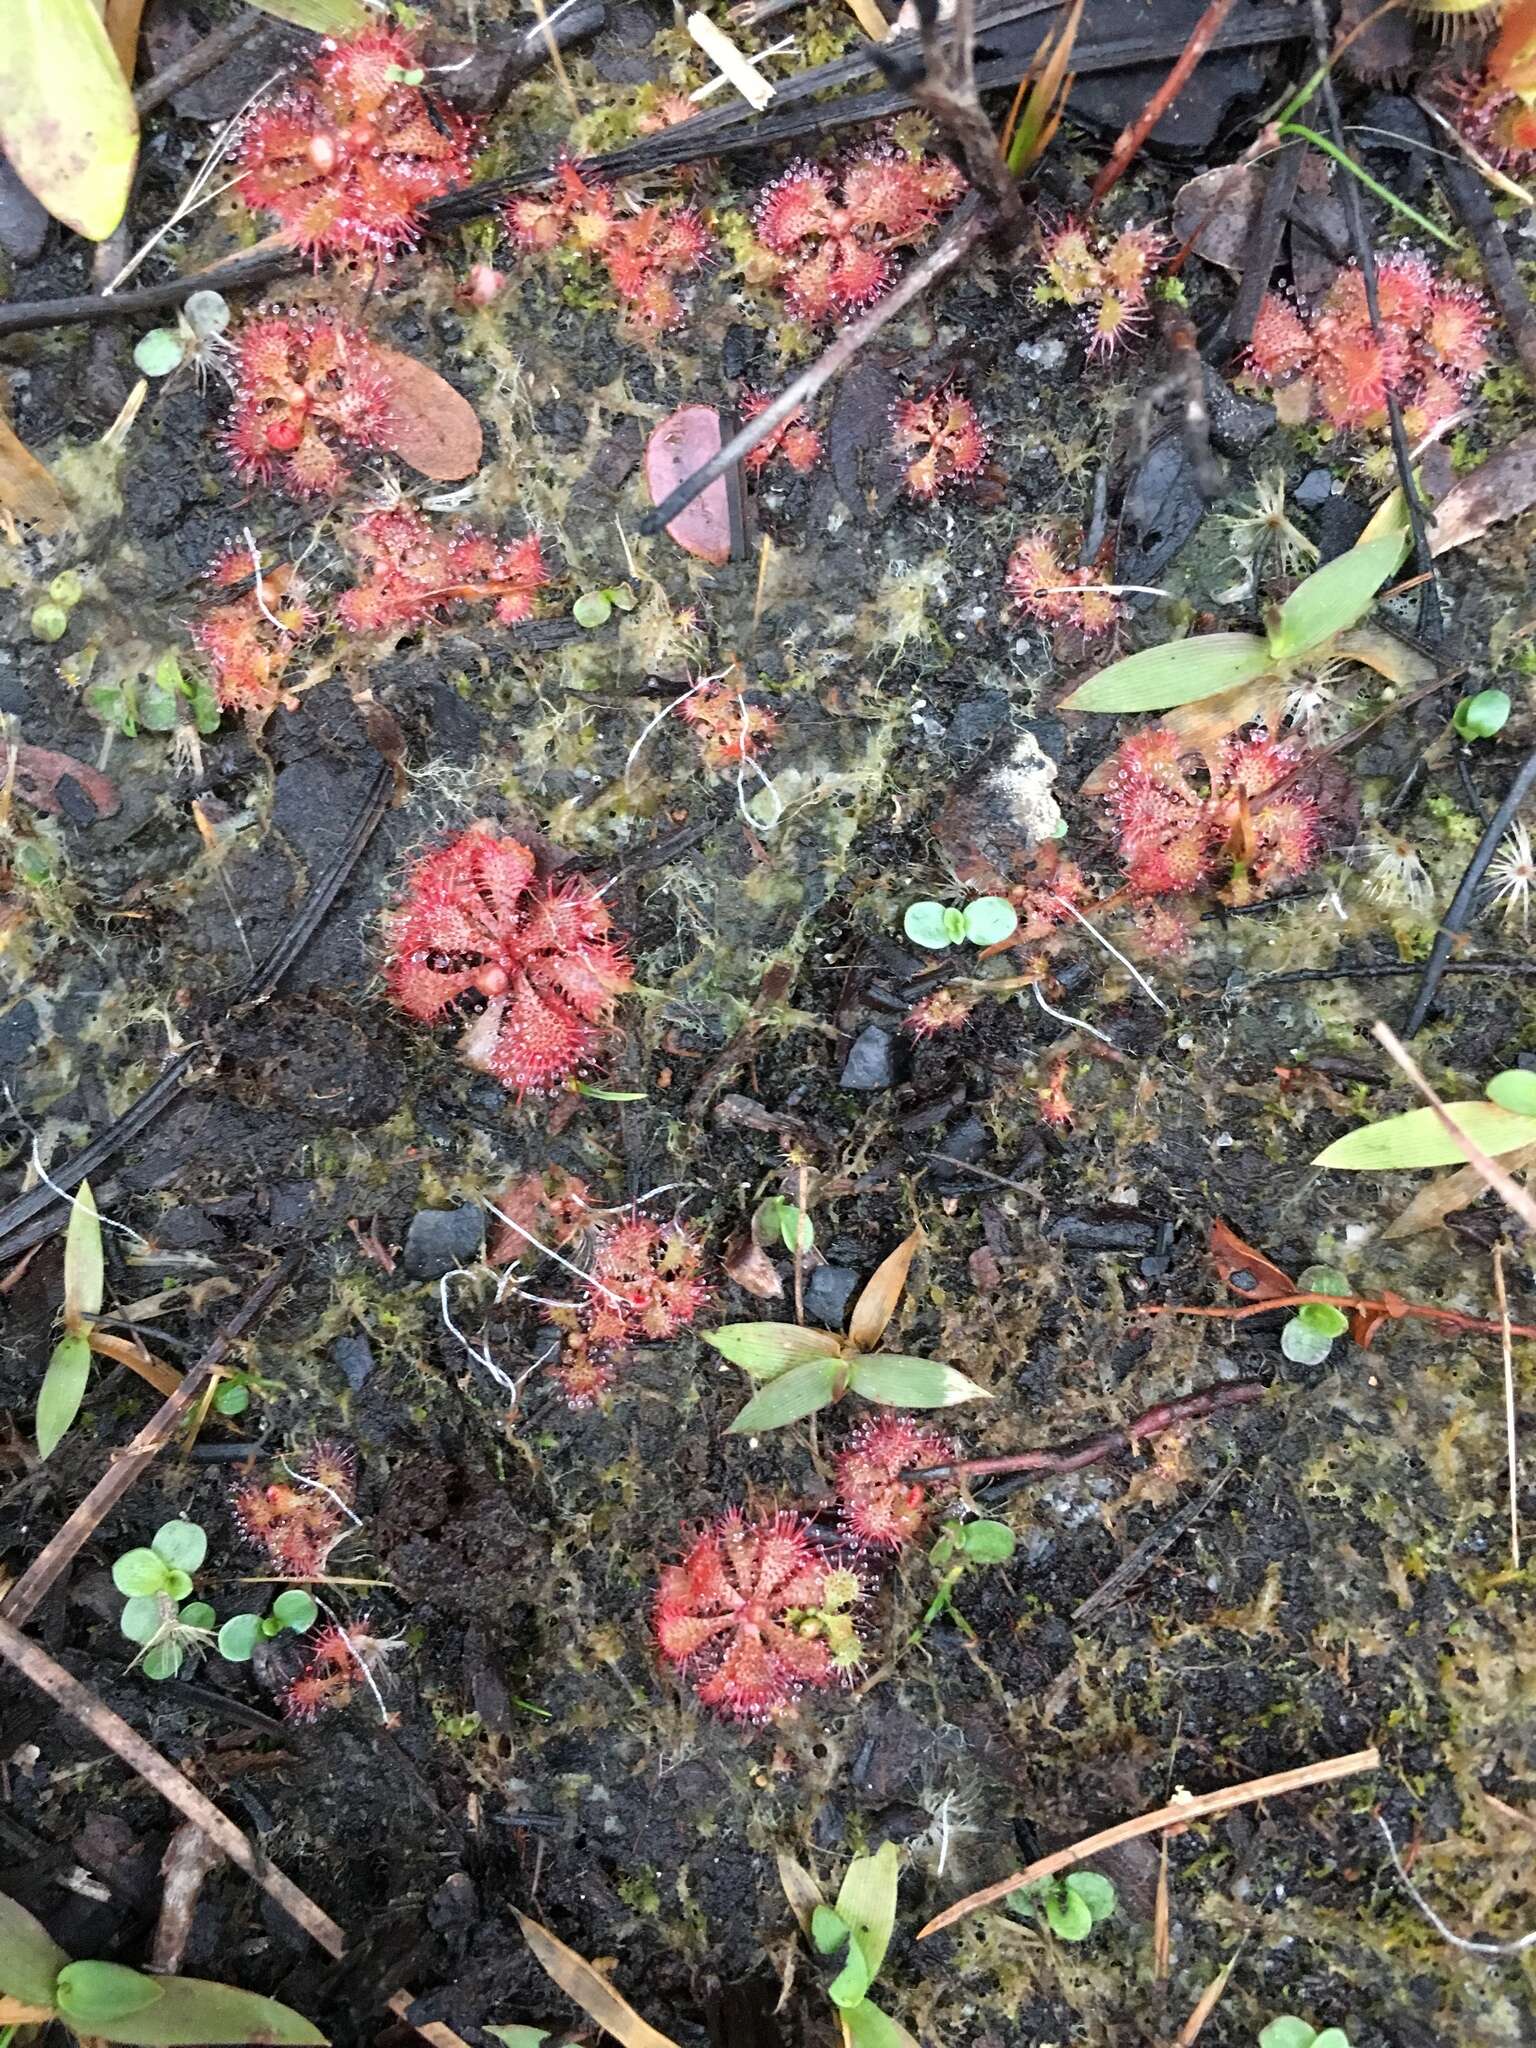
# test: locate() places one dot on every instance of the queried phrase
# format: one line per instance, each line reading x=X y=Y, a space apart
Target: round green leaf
x=622 y=597
x=1331 y=2037
x=159 y=352
x=1480 y=716
x=197 y=1614
x=140 y=1618
x=1514 y=1090
x=1323 y=1280
x=925 y=925
x=94 y=1994
x=1070 y=1917
x=592 y=609
x=1288 y=2032
x=238 y=1638
x=141 y=1572
x=181 y=1543
x=157 y=707
x=1304 y=1345
x=206 y=313
x=989 y=920
x=1096 y=1892
x=177 y=1582
x=163 y=1660
x=988 y=1542
x=1322 y=1320
x=295 y=1609
x=67 y=588
x=232 y=1400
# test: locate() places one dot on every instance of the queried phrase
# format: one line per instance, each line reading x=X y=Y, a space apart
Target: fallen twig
x=114 y=1733
x=1387 y=1307
x=1511 y=1435
x=1455 y=919
x=1178 y=1813
x=202 y=58
x=1152 y=1421
x=1135 y=133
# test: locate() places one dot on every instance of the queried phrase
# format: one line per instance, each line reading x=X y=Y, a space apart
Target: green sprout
x=69 y=1365
x=960 y=1547
x=1308 y=1337
x=155 y=1581
x=1290 y=2032
x=986 y=921
x=1481 y=715
x=594 y=608
x=779 y=1218
x=1071 y=1906
x=294 y=1609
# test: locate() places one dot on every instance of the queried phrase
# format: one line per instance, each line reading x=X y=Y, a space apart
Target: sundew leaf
x=866 y=1903
x=794 y=1394
x=1178 y=672
x=1420 y=1139
x=764 y=1349
x=897 y=1382
x=1335 y=597
x=67 y=119
x=62 y=1391
x=30 y=1958
x=83 y=1261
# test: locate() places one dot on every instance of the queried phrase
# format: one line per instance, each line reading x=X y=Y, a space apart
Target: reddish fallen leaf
x=1243 y=1269
x=432 y=427
x=1217 y=210
x=39 y=771
x=683 y=441
x=750 y=1267
x=28 y=491
x=1499 y=488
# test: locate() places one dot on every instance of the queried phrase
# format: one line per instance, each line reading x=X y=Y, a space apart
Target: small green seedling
x=1297 y=634
x=595 y=608
x=986 y=921
x=1290 y=2032
x=783 y=1220
x=856 y=1929
x=960 y=1546
x=239 y=1636
x=233 y=1396
x=1308 y=1337
x=806 y=1370
x=109 y=2002
x=63 y=1388
x=1071 y=1906
x=197 y=338
x=50 y=619
x=155 y=1581
x=1481 y=715
x=1505 y=1122
x=159 y=698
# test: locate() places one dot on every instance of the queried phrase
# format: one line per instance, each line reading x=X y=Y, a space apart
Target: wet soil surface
x=1349 y=1582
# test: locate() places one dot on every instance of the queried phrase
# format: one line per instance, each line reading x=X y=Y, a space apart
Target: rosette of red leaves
x=940 y=440
x=1178 y=831
x=836 y=230
x=644 y=253
x=416 y=572
x=304 y=389
x=300 y=1517
x=480 y=926
x=249 y=641
x=729 y=1616
x=346 y=158
x=880 y=1509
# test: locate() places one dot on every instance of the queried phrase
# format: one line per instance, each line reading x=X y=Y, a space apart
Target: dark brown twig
x=1135 y=133
x=1455 y=919
x=1261 y=254
x=202 y=58
x=1092 y=1450
x=1151 y=1550
x=124 y=1473
x=190 y=1858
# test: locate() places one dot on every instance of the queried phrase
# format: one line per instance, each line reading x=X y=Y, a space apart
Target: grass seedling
x=855 y=1931
x=63 y=1388
x=960 y=1546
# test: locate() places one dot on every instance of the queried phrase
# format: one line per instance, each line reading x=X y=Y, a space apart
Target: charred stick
x=1135 y=133
x=964 y=231
x=1261 y=254
x=1164 y=1415
x=1455 y=919
x=202 y=58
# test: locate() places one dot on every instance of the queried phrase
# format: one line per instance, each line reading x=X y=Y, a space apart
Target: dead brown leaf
x=1218 y=209
x=750 y=1267
x=1497 y=489
x=1451 y=1193
x=1261 y=1279
x=682 y=443
x=27 y=490
x=590 y=1989
x=432 y=427
x=801 y=1890
x=877 y=1304
x=121 y=19
x=39 y=771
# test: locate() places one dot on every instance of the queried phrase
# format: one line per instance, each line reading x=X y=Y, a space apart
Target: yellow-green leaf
x=897 y=1382
x=325 y=17
x=62 y=1391
x=1420 y=1139
x=866 y=1902
x=193 y=2012
x=766 y=1349
x=794 y=1394
x=882 y=1294
x=84 y=1275
x=866 y=2026
x=30 y=1958
x=590 y=1989
x=67 y=119
x=1178 y=672
x=1336 y=596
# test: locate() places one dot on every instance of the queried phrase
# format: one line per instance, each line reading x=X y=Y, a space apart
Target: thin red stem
x=1152 y=1422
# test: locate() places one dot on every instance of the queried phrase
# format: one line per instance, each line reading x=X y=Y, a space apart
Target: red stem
x=1165 y=1415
